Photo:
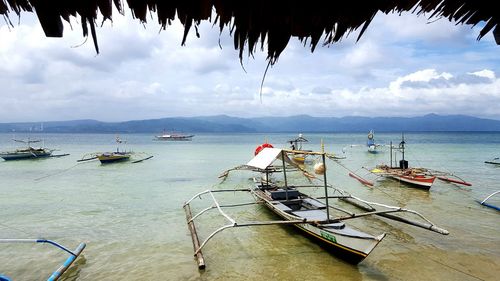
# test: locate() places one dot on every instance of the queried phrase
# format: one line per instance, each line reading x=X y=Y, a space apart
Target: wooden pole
x=326 y=189
x=391 y=153
x=284 y=174
x=194 y=237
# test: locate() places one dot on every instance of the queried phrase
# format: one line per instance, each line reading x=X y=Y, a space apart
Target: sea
x=131 y=216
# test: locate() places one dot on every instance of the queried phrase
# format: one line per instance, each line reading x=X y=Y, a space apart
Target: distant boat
x=173 y=137
x=28 y=152
x=296 y=146
x=494 y=161
x=114 y=156
x=370 y=143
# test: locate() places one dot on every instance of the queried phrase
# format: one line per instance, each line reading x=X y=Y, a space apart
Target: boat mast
x=391 y=153
x=284 y=174
x=326 y=189
x=402 y=147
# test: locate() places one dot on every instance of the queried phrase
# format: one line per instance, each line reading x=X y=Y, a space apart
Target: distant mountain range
x=228 y=124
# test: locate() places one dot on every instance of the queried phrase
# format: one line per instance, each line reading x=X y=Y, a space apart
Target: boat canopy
x=265 y=158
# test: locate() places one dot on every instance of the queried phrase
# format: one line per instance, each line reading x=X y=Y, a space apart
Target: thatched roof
x=251 y=22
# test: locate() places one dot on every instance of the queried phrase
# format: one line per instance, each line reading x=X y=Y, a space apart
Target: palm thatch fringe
x=252 y=21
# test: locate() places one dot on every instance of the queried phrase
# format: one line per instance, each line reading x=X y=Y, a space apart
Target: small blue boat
x=370 y=143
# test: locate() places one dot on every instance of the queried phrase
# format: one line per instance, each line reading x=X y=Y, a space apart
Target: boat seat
x=282 y=207
x=311 y=215
x=281 y=194
x=315 y=204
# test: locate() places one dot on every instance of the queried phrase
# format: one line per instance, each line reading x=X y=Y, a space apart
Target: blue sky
x=402 y=66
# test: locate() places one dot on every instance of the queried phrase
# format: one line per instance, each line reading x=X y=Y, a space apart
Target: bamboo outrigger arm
x=367 y=206
x=232 y=222
x=489 y=196
x=428 y=225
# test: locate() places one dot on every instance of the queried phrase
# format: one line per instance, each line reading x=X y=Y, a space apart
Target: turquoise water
x=131 y=216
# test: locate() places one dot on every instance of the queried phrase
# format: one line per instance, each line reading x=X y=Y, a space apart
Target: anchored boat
x=28 y=152
x=316 y=217
x=114 y=156
x=416 y=177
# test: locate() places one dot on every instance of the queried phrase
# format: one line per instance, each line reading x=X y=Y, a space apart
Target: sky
x=404 y=65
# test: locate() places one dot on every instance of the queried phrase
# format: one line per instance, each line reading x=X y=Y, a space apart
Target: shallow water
x=131 y=216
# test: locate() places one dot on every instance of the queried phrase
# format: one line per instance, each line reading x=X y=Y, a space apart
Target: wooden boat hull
x=338 y=247
x=113 y=157
x=419 y=181
x=299 y=159
x=414 y=177
x=342 y=241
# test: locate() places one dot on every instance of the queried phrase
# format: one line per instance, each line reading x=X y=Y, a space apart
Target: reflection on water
x=131 y=216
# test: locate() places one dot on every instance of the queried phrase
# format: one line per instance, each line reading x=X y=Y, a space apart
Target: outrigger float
x=483 y=202
x=316 y=217
x=73 y=255
x=494 y=161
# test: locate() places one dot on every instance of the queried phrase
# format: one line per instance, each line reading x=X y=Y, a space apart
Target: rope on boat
x=430 y=226
x=57 y=173
x=366 y=182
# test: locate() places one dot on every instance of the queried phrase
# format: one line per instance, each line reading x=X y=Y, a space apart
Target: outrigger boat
x=28 y=152
x=422 y=178
x=488 y=204
x=316 y=217
x=112 y=157
x=59 y=271
x=416 y=177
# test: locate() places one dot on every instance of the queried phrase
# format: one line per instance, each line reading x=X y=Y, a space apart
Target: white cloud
x=402 y=66
x=484 y=73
